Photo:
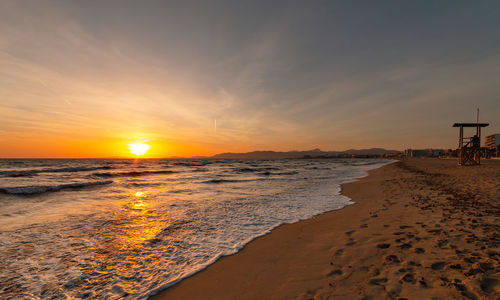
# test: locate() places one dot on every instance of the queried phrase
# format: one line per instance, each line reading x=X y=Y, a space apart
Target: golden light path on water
x=143 y=226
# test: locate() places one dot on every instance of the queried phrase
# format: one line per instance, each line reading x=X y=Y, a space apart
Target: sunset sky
x=86 y=78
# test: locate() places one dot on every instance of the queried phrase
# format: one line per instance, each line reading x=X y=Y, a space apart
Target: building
x=493 y=144
x=424 y=152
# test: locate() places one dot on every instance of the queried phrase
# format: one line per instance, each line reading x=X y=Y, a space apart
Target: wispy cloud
x=296 y=75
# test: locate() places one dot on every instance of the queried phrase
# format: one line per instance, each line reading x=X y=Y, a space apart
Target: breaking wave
x=31 y=190
x=25 y=173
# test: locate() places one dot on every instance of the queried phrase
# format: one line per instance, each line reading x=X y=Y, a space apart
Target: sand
x=420 y=229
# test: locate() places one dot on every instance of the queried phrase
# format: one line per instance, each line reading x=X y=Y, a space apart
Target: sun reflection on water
x=142 y=223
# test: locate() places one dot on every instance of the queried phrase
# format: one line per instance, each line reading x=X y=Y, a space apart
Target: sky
x=85 y=78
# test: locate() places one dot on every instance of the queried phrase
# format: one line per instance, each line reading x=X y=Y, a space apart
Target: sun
x=138 y=148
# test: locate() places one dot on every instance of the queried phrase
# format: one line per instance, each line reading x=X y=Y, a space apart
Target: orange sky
x=84 y=79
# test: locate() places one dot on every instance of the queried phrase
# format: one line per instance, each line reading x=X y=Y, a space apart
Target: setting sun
x=138 y=148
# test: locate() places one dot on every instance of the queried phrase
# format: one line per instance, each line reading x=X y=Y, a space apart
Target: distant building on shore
x=493 y=144
x=428 y=152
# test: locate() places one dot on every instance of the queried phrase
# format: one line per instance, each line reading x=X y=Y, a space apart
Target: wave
x=191 y=163
x=223 y=181
x=31 y=190
x=258 y=169
x=246 y=170
x=132 y=173
x=25 y=173
x=267 y=173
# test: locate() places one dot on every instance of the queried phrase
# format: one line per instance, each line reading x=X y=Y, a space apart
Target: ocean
x=119 y=228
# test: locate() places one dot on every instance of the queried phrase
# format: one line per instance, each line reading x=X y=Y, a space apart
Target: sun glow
x=138 y=148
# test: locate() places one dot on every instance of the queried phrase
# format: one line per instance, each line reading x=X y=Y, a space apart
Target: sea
x=125 y=228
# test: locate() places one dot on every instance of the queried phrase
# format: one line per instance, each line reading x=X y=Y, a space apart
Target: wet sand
x=420 y=229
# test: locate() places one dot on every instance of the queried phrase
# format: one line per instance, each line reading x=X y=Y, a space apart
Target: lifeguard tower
x=469 y=148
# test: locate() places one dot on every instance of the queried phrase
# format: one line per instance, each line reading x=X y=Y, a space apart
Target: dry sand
x=420 y=229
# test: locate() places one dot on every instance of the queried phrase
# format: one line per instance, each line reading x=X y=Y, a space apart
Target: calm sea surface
x=125 y=228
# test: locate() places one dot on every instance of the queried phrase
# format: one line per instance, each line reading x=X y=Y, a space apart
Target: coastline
x=379 y=247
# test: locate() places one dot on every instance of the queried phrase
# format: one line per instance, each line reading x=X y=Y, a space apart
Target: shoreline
x=351 y=252
x=161 y=292
x=366 y=173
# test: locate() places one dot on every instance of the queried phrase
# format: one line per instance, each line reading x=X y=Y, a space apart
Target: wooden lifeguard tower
x=469 y=148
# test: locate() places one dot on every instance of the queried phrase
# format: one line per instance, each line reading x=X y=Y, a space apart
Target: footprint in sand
x=378 y=281
x=438 y=265
x=423 y=283
x=335 y=272
x=419 y=250
x=339 y=252
x=392 y=259
x=405 y=246
x=434 y=231
x=442 y=243
x=350 y=243
x=349 y=233
x=409 y=278
x=383 y=246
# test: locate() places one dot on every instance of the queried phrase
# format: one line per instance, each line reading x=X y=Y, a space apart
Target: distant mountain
x=316 y=153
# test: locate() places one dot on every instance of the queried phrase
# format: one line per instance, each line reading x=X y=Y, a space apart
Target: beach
x=419 y=229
